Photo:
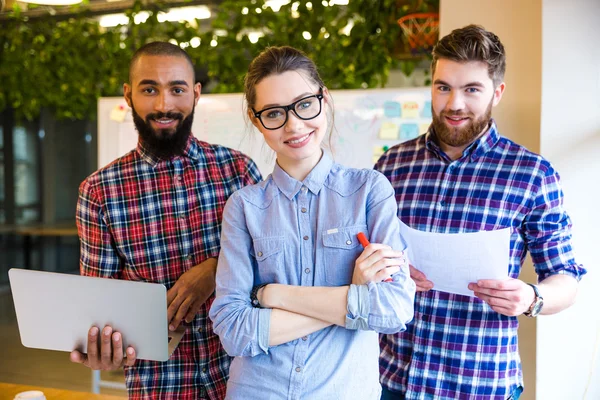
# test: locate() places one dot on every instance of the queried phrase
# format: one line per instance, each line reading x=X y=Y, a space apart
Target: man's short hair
x=472 y=43
x=159 y=49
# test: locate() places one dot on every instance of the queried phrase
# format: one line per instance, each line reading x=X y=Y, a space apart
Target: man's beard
x=460 y=136
x=164 y=143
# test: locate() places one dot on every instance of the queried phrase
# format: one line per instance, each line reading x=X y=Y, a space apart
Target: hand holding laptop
x=105 y=353
x=68 y=312
x=184 y=300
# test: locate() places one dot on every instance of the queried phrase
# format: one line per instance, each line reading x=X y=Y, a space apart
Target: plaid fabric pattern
x=457 y=347
x=143 y=219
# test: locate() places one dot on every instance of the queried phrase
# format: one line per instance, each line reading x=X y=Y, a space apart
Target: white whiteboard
x=366 y=121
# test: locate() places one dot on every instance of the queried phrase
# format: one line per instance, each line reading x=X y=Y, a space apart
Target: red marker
x=362 y=238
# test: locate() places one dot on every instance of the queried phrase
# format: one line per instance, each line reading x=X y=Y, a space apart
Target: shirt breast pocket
x=341 y=248
x=269 y=255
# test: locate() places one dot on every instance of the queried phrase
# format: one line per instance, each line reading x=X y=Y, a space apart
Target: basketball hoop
x=421 y=31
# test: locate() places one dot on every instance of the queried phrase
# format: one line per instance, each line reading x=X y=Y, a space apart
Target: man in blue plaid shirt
x=463 y=176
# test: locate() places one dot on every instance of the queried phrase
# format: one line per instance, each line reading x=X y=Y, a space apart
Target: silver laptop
x=55 y=311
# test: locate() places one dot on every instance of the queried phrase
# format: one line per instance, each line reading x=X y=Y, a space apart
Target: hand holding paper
x=423 y=284
x=509 y=297
x=453 y=261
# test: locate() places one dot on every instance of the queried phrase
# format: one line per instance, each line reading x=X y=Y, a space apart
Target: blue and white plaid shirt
x=457 y=347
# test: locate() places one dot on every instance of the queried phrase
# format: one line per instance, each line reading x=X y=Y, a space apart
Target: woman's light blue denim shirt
x=304 y=233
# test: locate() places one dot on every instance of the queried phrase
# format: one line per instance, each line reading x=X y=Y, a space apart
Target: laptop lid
x=55 y=312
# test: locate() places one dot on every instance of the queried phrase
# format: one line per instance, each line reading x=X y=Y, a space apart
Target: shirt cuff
x=264 y=324
x=359 y=306
x=576 y=271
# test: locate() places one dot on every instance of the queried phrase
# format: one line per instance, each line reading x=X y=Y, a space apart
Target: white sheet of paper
x=453 y=260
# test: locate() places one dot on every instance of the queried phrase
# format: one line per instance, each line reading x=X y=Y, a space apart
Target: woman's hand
x=377 y=263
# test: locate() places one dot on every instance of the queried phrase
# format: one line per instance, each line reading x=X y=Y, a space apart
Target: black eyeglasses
x=306 y=108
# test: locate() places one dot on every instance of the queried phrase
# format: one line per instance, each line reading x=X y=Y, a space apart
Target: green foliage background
x=67 y=65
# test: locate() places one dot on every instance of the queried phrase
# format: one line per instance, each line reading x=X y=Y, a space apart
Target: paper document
x=453 y=260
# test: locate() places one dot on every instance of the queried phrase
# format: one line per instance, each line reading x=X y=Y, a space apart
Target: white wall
x=567 y=344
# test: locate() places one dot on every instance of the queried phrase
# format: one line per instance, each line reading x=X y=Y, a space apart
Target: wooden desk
x=40 y=230
x=47 y=230
x=4 y=229
x=56 y=231
x=8 y=391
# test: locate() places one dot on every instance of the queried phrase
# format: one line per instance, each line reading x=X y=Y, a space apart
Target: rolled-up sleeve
x=547 y=230
x=243 y=329
x=98 y=256
x=389 y=306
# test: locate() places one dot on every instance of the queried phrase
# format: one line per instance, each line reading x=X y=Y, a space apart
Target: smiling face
x=463 y=95
x=162 y=96
x=298 y=142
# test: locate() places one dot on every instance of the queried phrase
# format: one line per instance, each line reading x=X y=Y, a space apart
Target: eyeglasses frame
x=291 y=107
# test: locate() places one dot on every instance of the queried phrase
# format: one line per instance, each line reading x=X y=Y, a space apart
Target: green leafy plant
x=66 y=65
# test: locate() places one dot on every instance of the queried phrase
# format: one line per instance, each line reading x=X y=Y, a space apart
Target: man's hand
x=110 y=348
x=510 y=297
x=376 y=263
x=423 y=285
x=190 y=291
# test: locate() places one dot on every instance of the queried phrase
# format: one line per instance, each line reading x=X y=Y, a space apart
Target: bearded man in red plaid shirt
x=154 y=215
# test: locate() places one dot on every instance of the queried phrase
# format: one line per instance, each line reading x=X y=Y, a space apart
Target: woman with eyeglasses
x=299 y=303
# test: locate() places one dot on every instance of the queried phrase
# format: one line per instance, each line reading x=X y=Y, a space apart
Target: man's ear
x=127 y=93
x=498 y=93
x=197 y=92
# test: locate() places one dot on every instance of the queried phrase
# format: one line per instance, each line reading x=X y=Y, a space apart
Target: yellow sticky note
x=118 y=113
x=388 y=131
x=377 y=153
x=410 y=109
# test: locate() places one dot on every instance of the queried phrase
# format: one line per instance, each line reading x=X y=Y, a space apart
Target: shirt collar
x=486 y=142
x=192 y=151
x=475 y=150
x=314 y=181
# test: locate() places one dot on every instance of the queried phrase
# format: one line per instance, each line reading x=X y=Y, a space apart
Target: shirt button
x=307 y=270
x=304 y=189
x=187 y=256
x=442 y=203
x=348 y=242
x=298 y=369
x=259 y=254
x=200 y=329
x=303 y=210
x=305 y=238
x=180 y=178
x=305 y=338
x=204 y=370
